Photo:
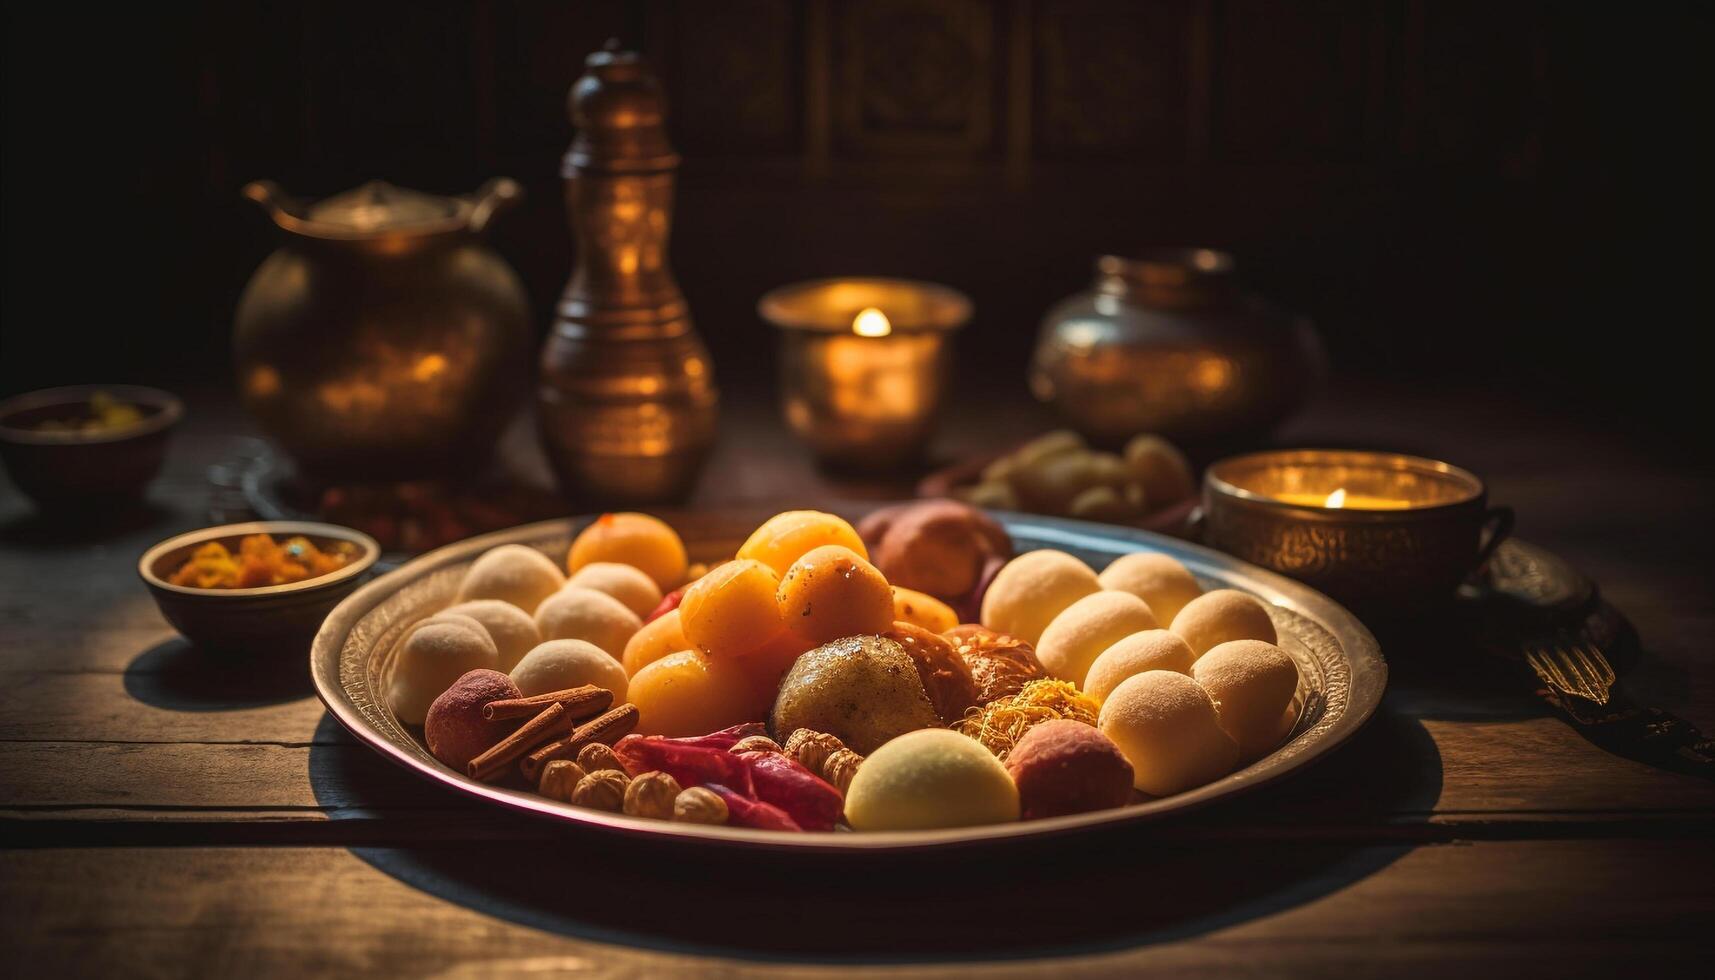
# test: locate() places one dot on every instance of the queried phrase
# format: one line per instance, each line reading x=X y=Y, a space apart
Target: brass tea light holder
x=863 y=365
x=1387 y=534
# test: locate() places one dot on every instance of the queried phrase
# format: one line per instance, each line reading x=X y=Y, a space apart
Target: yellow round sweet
x=1032 y=589
x=921 y=609
x=627 y=583
x=1165 y=725
x=1252 y=683
x=832 y=592
x=658 y=637
x=784 y=538
x=928 y=779
x=1222 y=616
x=686 y=693
x=1087 y=627
x=732 y=611
x=628 y=538
x=1148 y=650
x=1156 y=578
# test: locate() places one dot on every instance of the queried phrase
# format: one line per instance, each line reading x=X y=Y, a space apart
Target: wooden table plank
x=1534 y=908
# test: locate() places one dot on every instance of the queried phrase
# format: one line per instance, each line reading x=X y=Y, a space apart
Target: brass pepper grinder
x=627 y=402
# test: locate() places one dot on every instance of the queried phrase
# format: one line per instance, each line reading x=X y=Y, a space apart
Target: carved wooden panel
x=1294 y=81
x=734 y=72
x=1111 y=77
x=916 y=76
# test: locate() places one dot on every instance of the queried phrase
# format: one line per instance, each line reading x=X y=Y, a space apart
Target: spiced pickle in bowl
x=788 y=687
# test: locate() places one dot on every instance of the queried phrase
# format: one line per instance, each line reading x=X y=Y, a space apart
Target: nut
x=652 y=795
x=604 y=790
x=699 y=805
x=596 y=757
x=559 y=779
x=840 y=768
x=811 y=749
x=756 y=743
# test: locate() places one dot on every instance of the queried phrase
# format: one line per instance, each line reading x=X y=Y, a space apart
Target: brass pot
x=383 y=340
x=1169 y=342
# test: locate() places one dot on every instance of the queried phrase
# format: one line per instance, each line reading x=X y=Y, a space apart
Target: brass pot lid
x=379 y=209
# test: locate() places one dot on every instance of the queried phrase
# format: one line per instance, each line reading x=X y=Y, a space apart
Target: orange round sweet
x=660 y=636
x=786 y=537
x=686 y=693
x=628 y=538
x=732 y=611
x=832 y=592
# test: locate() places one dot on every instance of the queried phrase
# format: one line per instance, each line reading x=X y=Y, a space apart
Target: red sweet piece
x=691 y=765
x=455 y=729
x=742 y=811
x=811 y=802
x=1065 y=766
x=668 y=603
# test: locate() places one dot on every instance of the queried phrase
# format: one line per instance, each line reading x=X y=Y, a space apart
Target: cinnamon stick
x=552 y=722
x=580 y=703
x=607 y=729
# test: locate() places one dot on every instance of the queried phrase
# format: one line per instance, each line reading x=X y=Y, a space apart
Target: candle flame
x=871 y=323
x=1336 y=499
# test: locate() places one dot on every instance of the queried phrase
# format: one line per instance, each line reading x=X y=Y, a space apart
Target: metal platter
x=1341 y=676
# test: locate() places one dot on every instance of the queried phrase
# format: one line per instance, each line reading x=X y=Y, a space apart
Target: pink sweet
x=455 y=730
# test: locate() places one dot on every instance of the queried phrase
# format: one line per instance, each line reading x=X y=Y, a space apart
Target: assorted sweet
x=1057 y=473
x=942 y=548
x=797 y=687
x=261 y=561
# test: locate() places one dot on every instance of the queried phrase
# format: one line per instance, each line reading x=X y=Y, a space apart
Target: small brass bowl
x=271 y=617
x=1381 y=563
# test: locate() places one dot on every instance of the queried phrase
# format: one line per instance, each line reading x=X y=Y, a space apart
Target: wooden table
x=163 y=815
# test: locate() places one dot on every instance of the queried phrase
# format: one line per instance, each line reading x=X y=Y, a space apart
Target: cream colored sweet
x=1157 y=579
x=1166 y=726
x=512 y=573
x=627 y=583
x=577 y=613
x=1252 y=683
x=1087 y=627
x=512 y=629
x=1155 y=649
x=1161 y=469
x=433 y=656
x=930 y=779
x=1032 y=589
x=1222 y=616
x=559 y=665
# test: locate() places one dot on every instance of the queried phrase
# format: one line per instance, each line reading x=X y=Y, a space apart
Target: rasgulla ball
x=512 y=573
x=433 y=656
x=927 y=779
x=1252 y=683
x=1032 y=589
x=1087 y=627
x=1222 y=616
x=577 y=613
x=1148 y=650
x=511 y=628
x=1063 y=766
x=627 y=584
x=1157 y=579
x=559 y=665
x=1166 y=725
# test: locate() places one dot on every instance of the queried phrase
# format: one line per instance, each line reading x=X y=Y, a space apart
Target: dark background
x=1505 y=194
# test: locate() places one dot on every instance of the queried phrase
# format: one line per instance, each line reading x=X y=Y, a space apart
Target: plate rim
x=1368 y=669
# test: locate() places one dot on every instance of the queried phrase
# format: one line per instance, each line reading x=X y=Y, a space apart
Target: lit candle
x=862 y=364
x=1339 y=498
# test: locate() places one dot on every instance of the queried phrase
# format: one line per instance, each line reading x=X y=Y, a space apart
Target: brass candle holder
x=1384 y=533
x=863 y=363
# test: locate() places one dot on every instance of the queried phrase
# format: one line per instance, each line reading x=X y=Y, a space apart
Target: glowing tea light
x=1341 y=499
x=863 y=363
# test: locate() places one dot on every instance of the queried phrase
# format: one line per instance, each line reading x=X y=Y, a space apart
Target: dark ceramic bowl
x=73 y=469
x=270 y=617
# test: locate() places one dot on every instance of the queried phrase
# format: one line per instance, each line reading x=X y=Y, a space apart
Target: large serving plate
x=1341 y=673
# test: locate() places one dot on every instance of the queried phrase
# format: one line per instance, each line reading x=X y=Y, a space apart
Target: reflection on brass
x=383 y=339
x=627 y=401
x=1169 y=343
x=1378 y=562
x=863 y=365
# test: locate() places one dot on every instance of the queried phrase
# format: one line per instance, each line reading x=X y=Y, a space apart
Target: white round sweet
x=432 y=656
x=1222 y=616
x=1087 y=627
x=1156 y=578
x=512 y=573
x=1166 y=727
x=1148 y=650
x=577 y=613
x=1252 y=683
x=1032 y=589
x=559 y=665
x=626 y=583
x=512 y=629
